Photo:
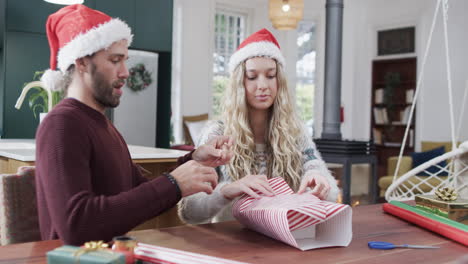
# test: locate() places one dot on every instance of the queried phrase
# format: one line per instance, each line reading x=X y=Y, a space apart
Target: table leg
x=346 y=182
x=373 y=181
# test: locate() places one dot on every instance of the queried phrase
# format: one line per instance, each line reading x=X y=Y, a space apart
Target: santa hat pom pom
x=53 y=80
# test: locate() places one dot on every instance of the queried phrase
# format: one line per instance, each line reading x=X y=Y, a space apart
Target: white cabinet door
x=135 y=117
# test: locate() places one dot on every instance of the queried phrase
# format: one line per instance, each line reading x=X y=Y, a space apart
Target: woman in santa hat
x=270 y=139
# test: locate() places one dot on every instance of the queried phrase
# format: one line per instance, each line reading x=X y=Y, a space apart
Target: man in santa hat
x=88 y=188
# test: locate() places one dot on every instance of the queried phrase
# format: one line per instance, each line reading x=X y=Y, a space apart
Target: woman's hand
x=214 y=153
x=247 y=185
x=317 y=182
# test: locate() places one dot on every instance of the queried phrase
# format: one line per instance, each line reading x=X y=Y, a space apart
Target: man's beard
x=103 y=90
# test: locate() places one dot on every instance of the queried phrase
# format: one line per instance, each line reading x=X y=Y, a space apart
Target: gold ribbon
x=89 y=247
x=446 y=194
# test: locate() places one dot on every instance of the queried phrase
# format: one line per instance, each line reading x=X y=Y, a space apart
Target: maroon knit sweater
x=87 y=185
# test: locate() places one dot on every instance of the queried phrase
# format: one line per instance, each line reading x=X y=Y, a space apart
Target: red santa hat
x=260 y=44
x=76 y=31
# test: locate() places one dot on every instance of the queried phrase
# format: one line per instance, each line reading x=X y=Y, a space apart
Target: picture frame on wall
x=135 y=117
x=396 y=41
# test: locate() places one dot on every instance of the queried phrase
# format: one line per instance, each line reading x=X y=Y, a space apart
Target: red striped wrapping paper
x=162 y=255
x=300 y=220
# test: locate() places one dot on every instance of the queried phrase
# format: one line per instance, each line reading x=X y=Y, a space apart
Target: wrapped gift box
x=455 y=210
x=69 y=254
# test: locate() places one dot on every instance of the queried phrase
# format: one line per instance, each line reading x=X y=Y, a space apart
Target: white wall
x=432 y=118
x=192 y=59
x=434 y=115
x=193 y=49
x=362 y=21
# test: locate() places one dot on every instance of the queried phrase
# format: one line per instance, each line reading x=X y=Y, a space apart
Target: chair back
x=412 y=183
x=19 y=221
x=193 y=125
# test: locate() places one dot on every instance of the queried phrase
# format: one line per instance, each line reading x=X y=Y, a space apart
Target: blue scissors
x=388 y=245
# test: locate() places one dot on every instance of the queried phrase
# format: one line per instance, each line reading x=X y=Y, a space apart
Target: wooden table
x=15 y=153
x=231 y=240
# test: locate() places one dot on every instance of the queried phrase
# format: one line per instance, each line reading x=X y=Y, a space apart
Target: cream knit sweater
x=203 y=208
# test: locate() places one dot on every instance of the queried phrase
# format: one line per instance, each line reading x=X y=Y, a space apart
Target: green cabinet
x=153 y=25
x=26 y=54
x=2 y=24
x=28 y=16
x=2 y=77
x=122 y=9
x=24 y=50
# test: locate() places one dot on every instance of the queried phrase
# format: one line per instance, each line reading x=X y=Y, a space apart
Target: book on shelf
x=411 y=138
x=377 y=116
x=405 y=115
x=398 y=123
x=392 y=144
x=380 y=116
x=377 y=136
x=379 y=95
x=409 y=96
x=409 y=141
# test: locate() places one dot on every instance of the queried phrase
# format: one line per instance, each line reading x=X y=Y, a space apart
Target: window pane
x=229 y=33
x=219 y=85
x=305 y=72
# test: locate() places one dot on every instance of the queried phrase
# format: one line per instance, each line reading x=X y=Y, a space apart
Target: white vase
x=42 y=116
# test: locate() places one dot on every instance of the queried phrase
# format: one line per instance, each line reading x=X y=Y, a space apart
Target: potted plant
x=41 y=99
x=392 y=82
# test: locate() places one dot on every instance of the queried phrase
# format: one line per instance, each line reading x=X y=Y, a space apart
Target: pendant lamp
x=65 y=2
x=285 y=14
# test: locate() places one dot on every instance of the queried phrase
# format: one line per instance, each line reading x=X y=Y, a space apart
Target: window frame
x=299 y=79
x=226 y=9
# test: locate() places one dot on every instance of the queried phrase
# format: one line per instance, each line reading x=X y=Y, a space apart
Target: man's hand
x=247 y=185
x=214 y=153
x=318 y=182
x=192 y=177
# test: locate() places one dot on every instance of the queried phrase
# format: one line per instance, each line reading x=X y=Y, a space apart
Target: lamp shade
x=285 y=14
x=65 y=2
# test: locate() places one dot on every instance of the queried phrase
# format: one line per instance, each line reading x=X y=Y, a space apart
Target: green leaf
x=37 y=75
x=37 y=108
x=33 y=98
x=38 y=98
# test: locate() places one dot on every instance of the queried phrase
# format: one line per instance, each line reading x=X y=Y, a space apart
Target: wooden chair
x=19 y=221
x=193 y=126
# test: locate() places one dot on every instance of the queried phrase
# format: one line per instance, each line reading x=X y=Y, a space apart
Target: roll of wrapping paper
x=443 y=226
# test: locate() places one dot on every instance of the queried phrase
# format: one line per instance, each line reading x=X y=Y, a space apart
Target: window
x=305 y=72
x=230 y=31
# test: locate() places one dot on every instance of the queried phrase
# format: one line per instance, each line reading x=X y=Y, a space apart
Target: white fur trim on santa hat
x=256 y=49
x=93 y=40
x=53 y=80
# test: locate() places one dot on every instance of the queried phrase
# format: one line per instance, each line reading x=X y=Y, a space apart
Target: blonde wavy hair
x=283 y=132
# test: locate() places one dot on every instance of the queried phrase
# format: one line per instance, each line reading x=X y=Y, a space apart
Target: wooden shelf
x=390 y=125
x=388 y=136
x=382 y=105
x=405 y=83
x=391 y=145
